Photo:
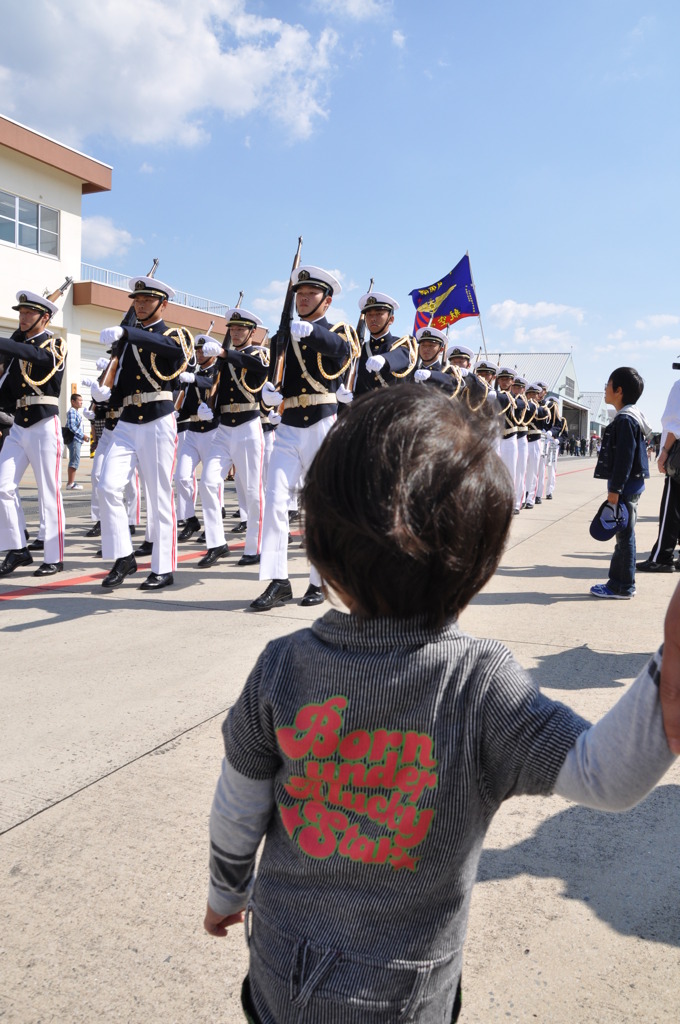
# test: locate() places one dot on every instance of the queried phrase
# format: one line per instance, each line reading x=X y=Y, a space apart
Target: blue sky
x=394 y=136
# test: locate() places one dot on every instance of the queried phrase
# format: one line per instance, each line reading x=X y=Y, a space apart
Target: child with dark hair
x=623 y=463
x=372 y=750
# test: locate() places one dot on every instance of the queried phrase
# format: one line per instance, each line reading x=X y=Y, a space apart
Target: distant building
x=42 y=184
x=557 y=370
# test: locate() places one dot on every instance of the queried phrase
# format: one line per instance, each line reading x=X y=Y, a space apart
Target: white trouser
x=508 y=454
x=268 y=449
x=553 y=452
x=132 y=495
x=294 y=450
x=39 y=446
x=154 y=446
x=521 y=469
x=192 y=449
x=241 y=493
x=242 y=447
x=533 y=459
x=540 y=484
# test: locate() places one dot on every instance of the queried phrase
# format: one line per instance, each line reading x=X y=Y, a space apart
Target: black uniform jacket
x=40 y=357
x=160 y=353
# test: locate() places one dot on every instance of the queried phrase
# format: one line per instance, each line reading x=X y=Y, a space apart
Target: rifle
x=361 y=334
x=129 y=320
x=211 y=398
x=53 y=296
x=179 y=401
x=277 y=364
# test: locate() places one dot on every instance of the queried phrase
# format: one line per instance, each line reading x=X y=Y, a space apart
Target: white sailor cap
x=460 y=350
x=505 y=371
x=150 y=286
x=520 y=381
x=485 y=364
x=317 y=277
x=535 y=386
x=31 y=300
x=237 y=316
x=377 y=300
x=541 y=385
x=431 y=334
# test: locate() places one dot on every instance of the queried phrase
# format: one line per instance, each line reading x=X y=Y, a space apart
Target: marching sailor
x=32 y=376
x=151 y=357
x=196 y=426
x=384 y=359
x=238 y=440
x=506 y=403
x=317 y=357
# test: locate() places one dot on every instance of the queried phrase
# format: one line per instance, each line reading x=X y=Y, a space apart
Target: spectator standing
x=74 y=423
x=661 y=556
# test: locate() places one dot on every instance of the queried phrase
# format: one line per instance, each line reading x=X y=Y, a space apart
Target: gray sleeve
x=239 y=816
x=617 y=761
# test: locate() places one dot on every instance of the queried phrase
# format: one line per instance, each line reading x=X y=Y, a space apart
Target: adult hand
x=212 y=348
x=100 y=394
x=669 y=687
x=88 y=414
x=187 y=377
x=422 y=374
x=110 y=335
x=270 y=396
x=87 y=383
x=102 y=363
x=661 y=461
x=205 y=413
x=300 y=329
x=219 y=924
x=344 y=395
x=274 y=418
x=374 y=364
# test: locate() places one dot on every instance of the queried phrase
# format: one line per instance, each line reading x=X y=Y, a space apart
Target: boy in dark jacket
x=622 y=462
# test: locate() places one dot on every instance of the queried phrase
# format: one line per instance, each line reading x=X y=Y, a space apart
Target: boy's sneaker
x=603 y=590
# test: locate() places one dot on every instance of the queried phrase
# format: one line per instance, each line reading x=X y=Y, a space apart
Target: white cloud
x=616 y=335
x=399 y=39
x=101 y=238
x=268 y=306
x=657 y=320
x=358 y=10
x=543 y=336
x=151 y=71
x=146 y=168
x=509 y=312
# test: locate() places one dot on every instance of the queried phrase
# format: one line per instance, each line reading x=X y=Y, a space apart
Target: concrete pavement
x=111 y=707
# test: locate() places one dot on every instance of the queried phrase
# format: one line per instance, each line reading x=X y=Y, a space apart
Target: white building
x=557 y=370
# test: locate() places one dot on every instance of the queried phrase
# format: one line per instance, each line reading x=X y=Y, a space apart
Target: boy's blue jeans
x=622 y=566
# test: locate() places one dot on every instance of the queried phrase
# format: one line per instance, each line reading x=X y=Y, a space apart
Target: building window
x=569 y=387
x=29 y=225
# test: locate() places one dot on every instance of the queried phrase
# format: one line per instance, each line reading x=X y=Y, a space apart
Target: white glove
x=205 y=413
x=300 y=329
x=421 y=375
x=102 y=362
x=212 y=348
x=100 y=394
x=87 y=383
x=274 y=418
x=176 y=414
x=88 y=414
x=374 y=364
x=270 y=396
x=187 y=377
x=344 y=395
x=110 y=335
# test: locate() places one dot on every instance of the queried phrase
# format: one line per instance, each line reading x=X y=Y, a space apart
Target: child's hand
x=669 y=689
x=218 y=924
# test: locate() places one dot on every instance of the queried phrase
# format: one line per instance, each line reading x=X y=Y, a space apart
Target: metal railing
x=100 y=275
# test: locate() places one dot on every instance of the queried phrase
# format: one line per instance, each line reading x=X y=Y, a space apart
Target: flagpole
x=481 y=326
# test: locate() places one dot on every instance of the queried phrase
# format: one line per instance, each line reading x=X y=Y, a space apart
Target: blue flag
x=446 y=301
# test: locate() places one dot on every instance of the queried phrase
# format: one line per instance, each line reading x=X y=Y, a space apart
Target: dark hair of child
x=629 y=380
x=407 y=505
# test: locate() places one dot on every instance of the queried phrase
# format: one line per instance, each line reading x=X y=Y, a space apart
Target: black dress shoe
x=157 y=580
x=122 y=567
x=201 y=539
x=241 y=528
x=133 y=530
x=538 y=501
x=649 y=566
x=213 y=555
x=49 y=569
x=145 y=548
x=99 y=553
x=249 y=560
x=191 y=526
x=293 y=515
x=313 y=595
x=13 y=559
x=277 y=592
x=548 y=497
x=95 y=530
x=36 y=545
